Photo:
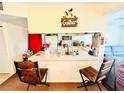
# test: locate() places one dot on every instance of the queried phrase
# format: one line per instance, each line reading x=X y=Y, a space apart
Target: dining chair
x=94 y=76
x=29 y=72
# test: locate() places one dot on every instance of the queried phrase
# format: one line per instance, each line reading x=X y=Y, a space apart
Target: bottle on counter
x=77 y=53
x=94 y=51
x=74 y=53
x=47 y=51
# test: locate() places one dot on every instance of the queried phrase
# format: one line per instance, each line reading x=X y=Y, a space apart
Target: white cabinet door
x=3 y=54
x=53 y=42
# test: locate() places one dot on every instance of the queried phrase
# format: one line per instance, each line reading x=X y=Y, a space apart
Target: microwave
x=66 y=37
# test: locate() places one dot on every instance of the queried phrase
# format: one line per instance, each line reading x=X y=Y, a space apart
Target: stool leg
x=28 y=87
x=82 y=85
x=99 y=86
x=83 y=82
x=46 y=79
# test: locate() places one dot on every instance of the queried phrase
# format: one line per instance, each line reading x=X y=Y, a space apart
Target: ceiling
x=100 y=8
x=105 y=8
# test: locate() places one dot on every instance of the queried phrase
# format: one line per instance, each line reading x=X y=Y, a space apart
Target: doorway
x=4 y=69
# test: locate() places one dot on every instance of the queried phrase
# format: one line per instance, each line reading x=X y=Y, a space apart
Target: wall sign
x=69 y=20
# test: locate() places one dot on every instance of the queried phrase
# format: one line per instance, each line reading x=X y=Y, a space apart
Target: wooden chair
x=94 y=76
x=29 y=72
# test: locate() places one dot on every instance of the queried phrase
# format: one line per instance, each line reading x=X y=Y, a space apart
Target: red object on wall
x=35 y=42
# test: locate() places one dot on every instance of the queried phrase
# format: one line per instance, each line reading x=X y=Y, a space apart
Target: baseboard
x=5 y=78
x=65 y=82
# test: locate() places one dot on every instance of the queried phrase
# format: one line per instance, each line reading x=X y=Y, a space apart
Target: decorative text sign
x=69 y=20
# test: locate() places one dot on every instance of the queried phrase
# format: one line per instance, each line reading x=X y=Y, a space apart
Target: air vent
x=1 y=6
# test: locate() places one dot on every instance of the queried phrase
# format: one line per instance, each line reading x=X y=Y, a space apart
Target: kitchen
x=66 y=32
x=65 y=53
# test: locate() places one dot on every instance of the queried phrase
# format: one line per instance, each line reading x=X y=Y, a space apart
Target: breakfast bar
x=65 y=68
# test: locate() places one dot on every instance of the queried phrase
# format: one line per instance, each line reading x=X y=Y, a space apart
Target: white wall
x=17 y=35
x=122 y=33
x=114 y=32
x=16 y=38
x=3 y=53
x=46 y=18
x=113 y=35
x=15 y=9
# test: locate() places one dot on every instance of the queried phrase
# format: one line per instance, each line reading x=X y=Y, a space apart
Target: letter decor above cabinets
x=69 y=20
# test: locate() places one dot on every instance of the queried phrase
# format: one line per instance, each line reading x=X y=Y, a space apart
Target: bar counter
x=65 y=68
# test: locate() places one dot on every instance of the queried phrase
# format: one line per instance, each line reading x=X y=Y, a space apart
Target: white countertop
x=42 y=56
x=65 y=68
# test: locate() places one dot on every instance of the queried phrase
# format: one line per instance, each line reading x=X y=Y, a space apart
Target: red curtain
x=35 y=42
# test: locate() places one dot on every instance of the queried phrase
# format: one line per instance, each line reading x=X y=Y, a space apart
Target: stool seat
x=90 y=73
x=94 y=76
x=28 y=72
